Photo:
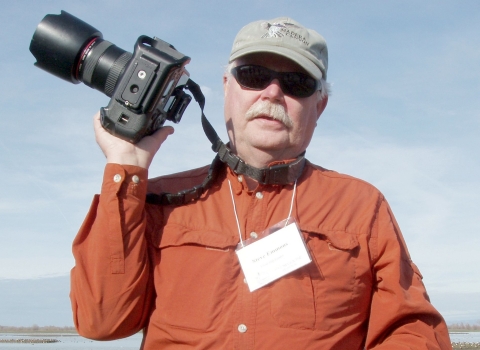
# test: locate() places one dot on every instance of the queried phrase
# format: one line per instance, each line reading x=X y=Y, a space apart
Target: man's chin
x=271 y=148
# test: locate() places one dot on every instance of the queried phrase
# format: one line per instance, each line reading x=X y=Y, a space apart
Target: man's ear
x=321 y=105
x=225 y=81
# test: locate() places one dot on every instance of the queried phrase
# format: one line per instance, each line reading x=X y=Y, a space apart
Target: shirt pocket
x=322 y=294
x=193 y=270
x=292 y=300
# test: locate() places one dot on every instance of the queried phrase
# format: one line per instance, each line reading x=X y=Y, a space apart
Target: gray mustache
x=273 y=110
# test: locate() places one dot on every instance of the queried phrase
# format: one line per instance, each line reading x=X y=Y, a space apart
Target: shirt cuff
x=125 y=179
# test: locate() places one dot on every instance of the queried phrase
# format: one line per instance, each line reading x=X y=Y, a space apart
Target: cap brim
x=301 y=60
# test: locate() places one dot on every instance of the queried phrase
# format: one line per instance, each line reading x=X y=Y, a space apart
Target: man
x=180 y=271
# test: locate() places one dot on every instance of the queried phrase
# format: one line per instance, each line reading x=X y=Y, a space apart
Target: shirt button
x=240 y=178
x=242 y=328
x=253 y=235
x=259 y=195
x=117 y=178
x=135 y=179
x=245 y=280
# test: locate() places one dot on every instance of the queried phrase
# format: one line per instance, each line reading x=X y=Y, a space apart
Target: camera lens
x=101 y=64
x=73 y=50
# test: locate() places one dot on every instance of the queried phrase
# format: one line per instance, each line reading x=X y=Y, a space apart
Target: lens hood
x=58 y=43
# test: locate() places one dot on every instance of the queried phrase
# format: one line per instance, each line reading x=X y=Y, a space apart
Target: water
x=469 y=337
x=75 y=342
x=70 y=342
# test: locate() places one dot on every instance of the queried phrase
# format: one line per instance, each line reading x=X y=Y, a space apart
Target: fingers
x=97 y=127
x=161 y=134
x=120 y=151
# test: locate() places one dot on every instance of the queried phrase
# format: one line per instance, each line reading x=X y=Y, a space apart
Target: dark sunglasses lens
x=257 y=77
x=253 y=77
x=298 y=84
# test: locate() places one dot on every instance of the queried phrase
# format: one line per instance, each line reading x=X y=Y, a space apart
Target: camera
x=146 y=88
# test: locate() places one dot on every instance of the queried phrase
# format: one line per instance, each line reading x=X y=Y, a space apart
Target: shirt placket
x=253 y=214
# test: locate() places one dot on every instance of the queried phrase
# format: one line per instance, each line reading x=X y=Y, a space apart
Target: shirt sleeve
x=401 y=315
x=111 y=291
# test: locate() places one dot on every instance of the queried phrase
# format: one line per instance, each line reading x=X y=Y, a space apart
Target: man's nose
x=273 y=91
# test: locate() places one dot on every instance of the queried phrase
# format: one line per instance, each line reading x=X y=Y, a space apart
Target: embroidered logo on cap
x=278 y=30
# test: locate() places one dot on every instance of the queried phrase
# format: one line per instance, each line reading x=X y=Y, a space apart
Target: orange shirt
x=173 y=270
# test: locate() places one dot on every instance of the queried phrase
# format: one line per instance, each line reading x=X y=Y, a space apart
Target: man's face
x=259 y=137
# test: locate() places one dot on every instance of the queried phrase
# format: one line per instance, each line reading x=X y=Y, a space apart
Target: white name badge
x=276 y=252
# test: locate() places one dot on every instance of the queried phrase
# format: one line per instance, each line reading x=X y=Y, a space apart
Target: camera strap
x=280 y=174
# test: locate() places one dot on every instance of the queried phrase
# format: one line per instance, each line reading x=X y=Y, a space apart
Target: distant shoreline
x=70 y=330
x=28 y=341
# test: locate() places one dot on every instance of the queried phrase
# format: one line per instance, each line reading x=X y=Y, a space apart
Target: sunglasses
x=294 y=84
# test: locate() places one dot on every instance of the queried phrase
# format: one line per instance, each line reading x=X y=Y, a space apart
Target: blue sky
x=403 y=115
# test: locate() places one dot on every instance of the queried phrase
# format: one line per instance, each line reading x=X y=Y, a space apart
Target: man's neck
x=259 y=158
x=272 y=170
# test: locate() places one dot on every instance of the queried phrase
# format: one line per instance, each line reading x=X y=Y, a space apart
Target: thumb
x=153 y=142
x=148 y=146
x=161 y=134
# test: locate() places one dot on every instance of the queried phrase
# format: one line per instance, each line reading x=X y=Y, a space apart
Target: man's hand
x=119 y=151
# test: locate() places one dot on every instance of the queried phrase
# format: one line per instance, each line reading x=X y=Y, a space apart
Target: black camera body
x=149 y=92
x=146 y=87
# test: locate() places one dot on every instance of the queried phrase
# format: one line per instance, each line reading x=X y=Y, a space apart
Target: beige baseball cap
x=286 y=37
